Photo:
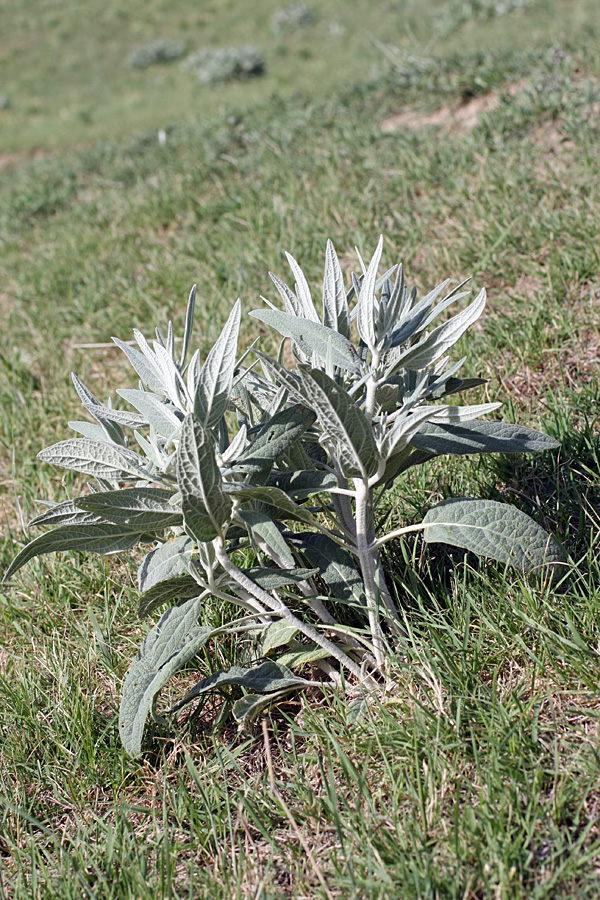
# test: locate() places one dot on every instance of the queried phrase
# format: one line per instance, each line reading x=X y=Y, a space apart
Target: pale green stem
x=277 y=606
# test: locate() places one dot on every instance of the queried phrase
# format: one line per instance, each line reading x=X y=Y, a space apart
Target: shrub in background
x=214 y=67
x=153 y=53
x=258 y=484
x=293 y=17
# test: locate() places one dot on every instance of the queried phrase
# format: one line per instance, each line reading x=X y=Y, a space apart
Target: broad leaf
x=493 y=529
x=206 y=507
x=102 y=460
x=66 y=513
x=172 y=643
x=277 y=634
x=303 y=483
x=343 y=422
x=181 y=587
x=216 y=377
x=275 y=437
x=285 y=508
x=481 y=437
x=167 y=561
x=312 y=337
x=263 y=529
x=302 y=656
x=265 y=678
x=247 y=708
x=336 y=567
x=138 y=508
x=89 y=538
x=272 y=579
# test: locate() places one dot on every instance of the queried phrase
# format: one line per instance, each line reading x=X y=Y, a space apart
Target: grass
x=477 y=775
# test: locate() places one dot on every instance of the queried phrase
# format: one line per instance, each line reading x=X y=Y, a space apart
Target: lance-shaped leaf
x=343 y=422
x=180 y=588
x=144 y=364
x=206 y=507
x=336 y=567
x=167 y=561
x=441 y=338
x=455 y=415
x=481 y=437
x=247 y=708
x=139 y=508
x=271 y=579
x=98 y=538
x=277 y=634
x=103 y=413
x=336 y=314
x=365 y=316
x=67 y=513
x=285 y=506
x=302 y=290
x=216 y=376
x=156 y=412
x=312 y=337
x=171 y=644
x=189 y=325
x=263 y=529
x=305 y=653
x=303 y=483
x=96 y=458
x=495 y=530
x=274 y=438
x=263 y=679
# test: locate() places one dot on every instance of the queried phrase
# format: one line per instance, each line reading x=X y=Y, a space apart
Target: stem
x=279 y=607
x=365 y=534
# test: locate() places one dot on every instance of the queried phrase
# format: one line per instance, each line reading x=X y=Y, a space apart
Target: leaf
x=172 y=643
x=139 y=508
x=167 y=561
x=454 y=415
x=343 y=422
x=302 y=290
x=98 y=538
x=216 y=376
x=336 y=314
x=301 y=657
x=481 y=437
x=336 y=567
x=103 y=413
x=249 y=707
x=206 y=507
x=271 y=579
x=303 y=483
x=275 y=437
x=156 y=412
x=265 y=678
x=262 y=528
x=441 y=338
x=145 y=366
x=181 y=587
x=365 y=316
x=67 y=513
x=189 y=324
x=276 y=635
x=96 y=458
x=284 y=507
x=312 y=337
x=493 y=529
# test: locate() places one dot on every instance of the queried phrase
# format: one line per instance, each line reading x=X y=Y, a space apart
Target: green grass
x=477 y=775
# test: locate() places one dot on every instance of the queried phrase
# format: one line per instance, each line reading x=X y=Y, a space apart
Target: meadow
x=468 y=134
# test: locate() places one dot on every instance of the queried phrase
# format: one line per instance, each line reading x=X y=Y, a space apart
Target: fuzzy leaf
x=342 y=421
x=312 y=337
x=481 y=437
x=275 y=437
x=144 y=365
x=300 y=657
x=277 y=634
x=138 y=508
x=365 y=316
x=247 y=708
x=264 y=529
x=271 y=579
x=336 y=566
x=167 y=561
x=262 y=679
x=96 y=458
x=172 y=643
x=285 y=507
x=493 y=529
x=181 y=587
x=336 y=314
x=302 y=483
x=89 y=538
x=156 y=412
x=206 y=507
x=216 y=376
x=67 y=513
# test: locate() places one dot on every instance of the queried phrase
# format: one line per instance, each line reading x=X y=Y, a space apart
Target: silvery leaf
x=312 y=337
x=96 y=458
x=216 y=376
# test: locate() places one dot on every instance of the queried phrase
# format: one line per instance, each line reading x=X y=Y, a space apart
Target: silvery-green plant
x=257 y=483
x=215 y=67
x=155 y=52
